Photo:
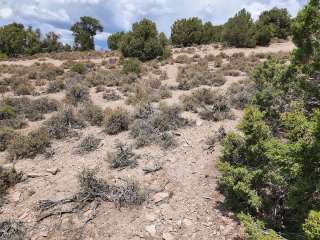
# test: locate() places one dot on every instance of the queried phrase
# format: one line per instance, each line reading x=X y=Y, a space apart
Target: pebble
x=151 y=229
x=160 y=197
x=167 y=236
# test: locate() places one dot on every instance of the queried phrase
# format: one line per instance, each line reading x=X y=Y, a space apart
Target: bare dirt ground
x=183 y=201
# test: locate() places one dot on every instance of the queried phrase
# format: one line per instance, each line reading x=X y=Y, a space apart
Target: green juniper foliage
x=271 y=170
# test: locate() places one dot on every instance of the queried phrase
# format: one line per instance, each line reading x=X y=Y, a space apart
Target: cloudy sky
x=118 y=15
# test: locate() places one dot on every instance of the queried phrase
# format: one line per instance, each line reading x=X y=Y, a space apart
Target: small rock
x=151 y=217
x=167 y=236
x=187 y=222
x=151 y=229
x=16 y=196
x=160 y=197
x=199 y=123
x=53 y=171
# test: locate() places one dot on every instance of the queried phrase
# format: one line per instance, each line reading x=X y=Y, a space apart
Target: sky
x=118 y=15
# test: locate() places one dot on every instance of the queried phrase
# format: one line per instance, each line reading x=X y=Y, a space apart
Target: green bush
x=7 y=112
x=131 y=65
x=263 y=35
x=311 y=227
x=186 y=32
x=239 y=30
x=79 y=67
x=28 y=146
x=114 y=40
x=142 y=42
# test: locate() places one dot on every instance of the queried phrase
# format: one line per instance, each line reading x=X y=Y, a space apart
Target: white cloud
x=5 y=12
x=117 y=15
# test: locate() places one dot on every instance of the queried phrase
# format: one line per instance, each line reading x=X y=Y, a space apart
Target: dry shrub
x=153 y=126
x=123 y=157
x=111 y=95
x=195 y=75
x=6 y=136
x=199 y=98
x=110 y=78
x=217 y=137
x=232 y=73
x=116 y=121
x=142 y=93
x=240 y=93
x=55 y=86
x=218 y=62
x=89 y=144
x=217 y=111
x=8 y=178
x=77 y=94
x=79 y=67
x=62 y=124
x=12 y=230
x=24 y=89
x=183 y=59
x=28 y=146
x=93 y=114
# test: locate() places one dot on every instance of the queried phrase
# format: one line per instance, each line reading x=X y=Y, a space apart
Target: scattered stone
x=151 y=229
x=187 y=222
x=160 y=197
x=53 y=171
x=16 y=196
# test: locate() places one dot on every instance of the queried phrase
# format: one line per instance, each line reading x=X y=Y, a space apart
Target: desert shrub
x=116 y=121
x=195 y=75
x=123 y=157
x=164 y=92
x=55 y=86
x=217 y=137
x=154 y=126
x=219 y=110
x=24 y=89
x=6 y=135
x=239 y=30
x=8 y=178
x=28 y=146
x=7 y=112
x=142 y=42
x=12 y=230
x=61 y=125
x=93 y=114
x=77 y=94
x=187 y=32
x=111 y=95
x=89 y=144
x=183 y=59
x=218 y=62
x=79 y=67
x=131 y=65
x=311 y=227
x=241 y=93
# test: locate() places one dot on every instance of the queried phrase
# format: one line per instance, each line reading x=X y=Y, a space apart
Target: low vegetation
x=123 y=157
x=116 y=120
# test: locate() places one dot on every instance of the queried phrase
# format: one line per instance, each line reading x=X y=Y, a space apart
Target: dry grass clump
x=79 y=67
x=89 y=144
x=93 y=114
x=28 y=146
x=6 y=136
x=8 y=178
x=22 y=87
x=111 y=95
x=143 y=93
x=63 y=123
x=117 y=120
x=183 y=59
x=195 y=75
x=45 y=71
x=154 y=126
x=240 y=93
x=232 y=73
x=123 y=157
x=12 y=230
x=77 y=94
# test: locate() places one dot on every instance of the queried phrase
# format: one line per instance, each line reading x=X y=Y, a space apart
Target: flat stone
x=16 y=197
x=53 y=171
x=160 y=197
x=187 y=222
x=167 y=236
x=151 y=229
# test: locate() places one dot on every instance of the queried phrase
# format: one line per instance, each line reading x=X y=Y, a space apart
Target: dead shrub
x=77 y=94
x=183 y=59
x=62 y=124
x=28 y=146
x=116 y=121
x=8 y=178
x=55 y=86
x=217 y=137
x=24 y=89
x=123 y=157
x=89 y=144
x=111 y=95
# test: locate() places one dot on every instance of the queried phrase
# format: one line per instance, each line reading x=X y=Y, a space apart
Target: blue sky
x=118 y=15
